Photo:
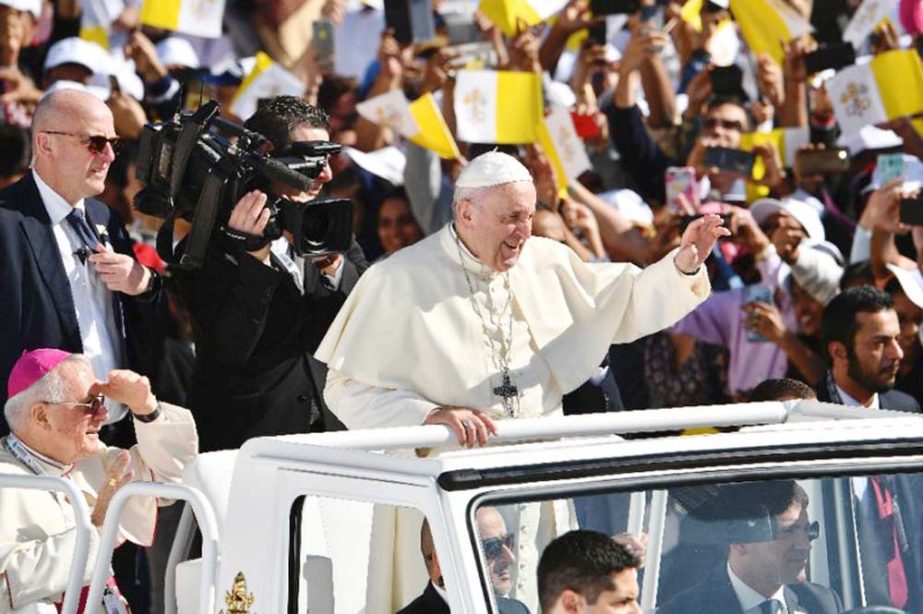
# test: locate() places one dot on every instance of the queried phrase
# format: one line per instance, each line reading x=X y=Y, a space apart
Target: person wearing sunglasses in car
x=68 y=275
x=56 y=407
x=768 y=536
x=498 y=546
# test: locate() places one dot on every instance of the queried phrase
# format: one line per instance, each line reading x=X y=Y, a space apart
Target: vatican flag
x=888 y=87
x=765 y=24
x=498 y=106
x=96 y=19
x=869 y=14
x=420 y=121
x=564 y=148
x=197 y=17
x=265 y=80
x=507 y=14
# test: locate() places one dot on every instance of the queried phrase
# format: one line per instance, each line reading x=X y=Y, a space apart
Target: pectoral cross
x=507 y=391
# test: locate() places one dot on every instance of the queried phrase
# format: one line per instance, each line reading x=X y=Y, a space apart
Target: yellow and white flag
x=507 y=14
x=498 y=106
x=265 y=80
x=787 y=140
x=198 y=17
x=869 y=14
x=96 y=19
x=766 y=24
x=888 y=87
x=564 y=148
x=419 y=121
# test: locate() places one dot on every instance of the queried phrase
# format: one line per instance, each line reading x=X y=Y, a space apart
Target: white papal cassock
x=408 y=339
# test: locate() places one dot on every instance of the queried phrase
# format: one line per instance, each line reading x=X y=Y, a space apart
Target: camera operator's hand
x=250 y=216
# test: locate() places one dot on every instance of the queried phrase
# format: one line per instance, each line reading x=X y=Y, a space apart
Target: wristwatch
x=148 y=417
x=152 y=281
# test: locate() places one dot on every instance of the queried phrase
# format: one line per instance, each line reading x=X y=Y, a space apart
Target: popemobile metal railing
x=204 y=515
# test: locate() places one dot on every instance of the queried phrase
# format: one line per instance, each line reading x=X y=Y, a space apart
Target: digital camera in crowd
x=197 y=166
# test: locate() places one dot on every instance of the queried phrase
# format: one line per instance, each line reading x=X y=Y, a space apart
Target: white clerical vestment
x=409 y=340
x=37 y=528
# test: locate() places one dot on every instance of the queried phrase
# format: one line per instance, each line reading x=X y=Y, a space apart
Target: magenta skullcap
x=31 y=367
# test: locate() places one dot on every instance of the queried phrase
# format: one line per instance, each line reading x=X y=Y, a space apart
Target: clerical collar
x=36 y=462
x=468 y=260
x=750 y=599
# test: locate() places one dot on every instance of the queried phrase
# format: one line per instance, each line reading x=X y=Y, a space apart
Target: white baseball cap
x=78 y=51
x=175 y=51
x=806 y=215
x=27 y=6
x=911 y=281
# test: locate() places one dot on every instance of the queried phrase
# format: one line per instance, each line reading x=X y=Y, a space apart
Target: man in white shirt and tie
x=67 y=270
x=768 y=535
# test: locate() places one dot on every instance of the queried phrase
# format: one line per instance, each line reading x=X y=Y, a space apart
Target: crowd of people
x=733 y=226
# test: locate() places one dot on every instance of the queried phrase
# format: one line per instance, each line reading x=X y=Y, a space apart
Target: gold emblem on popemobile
x=238 y=599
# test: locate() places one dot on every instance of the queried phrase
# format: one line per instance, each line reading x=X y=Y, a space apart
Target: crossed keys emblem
x=238 y=599
x=565 y=144
x=390 y=117
x=475 y=102
x=202 y=8
x=855 y=99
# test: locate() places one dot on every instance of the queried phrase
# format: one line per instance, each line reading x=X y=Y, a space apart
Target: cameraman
x=258 y=315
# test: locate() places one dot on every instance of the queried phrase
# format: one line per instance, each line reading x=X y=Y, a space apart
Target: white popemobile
x=287 y=522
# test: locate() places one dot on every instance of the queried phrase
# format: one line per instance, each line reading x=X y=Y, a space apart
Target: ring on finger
x=113 y=482
x=466 y=422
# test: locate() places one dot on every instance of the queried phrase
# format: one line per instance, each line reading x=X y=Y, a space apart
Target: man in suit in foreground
x=769 y=539
x=861 y=333
x=68 y=276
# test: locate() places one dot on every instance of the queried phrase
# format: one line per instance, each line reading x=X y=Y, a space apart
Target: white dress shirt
x=750 y=600
x=851 y=402
x=102 y=341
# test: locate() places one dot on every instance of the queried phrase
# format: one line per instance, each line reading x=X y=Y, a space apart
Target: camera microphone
x=278 y=171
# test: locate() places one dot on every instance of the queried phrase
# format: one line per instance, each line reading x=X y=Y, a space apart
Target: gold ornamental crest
x=238 y=599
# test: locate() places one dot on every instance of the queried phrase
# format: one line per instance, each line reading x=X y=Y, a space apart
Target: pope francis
x=480 y=322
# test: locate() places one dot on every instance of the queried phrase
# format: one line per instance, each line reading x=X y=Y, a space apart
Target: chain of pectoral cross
x=500 y=356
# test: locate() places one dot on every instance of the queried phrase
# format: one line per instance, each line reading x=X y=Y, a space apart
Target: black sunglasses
x=811 y=531
x=96 y=143
x=493 y=547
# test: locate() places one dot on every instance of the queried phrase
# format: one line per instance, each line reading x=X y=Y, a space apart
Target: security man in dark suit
x=860 y=333
x=258 y=315
x=433 y=600
x=769 y=534
x=68 y=276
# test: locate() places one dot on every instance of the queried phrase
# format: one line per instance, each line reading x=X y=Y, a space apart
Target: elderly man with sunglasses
x=68 y=276
x=55 y=409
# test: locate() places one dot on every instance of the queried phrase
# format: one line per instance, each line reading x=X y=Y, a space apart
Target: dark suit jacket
x=36 y=308
x=428 y=603
x=892 y=399
x=715 y=595
x=431 y=603
x=254 y=333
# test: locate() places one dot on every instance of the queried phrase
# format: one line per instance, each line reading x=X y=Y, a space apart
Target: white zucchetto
x=490 y=169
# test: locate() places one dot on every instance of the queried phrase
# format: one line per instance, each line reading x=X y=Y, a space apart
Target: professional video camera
x=197 y=166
